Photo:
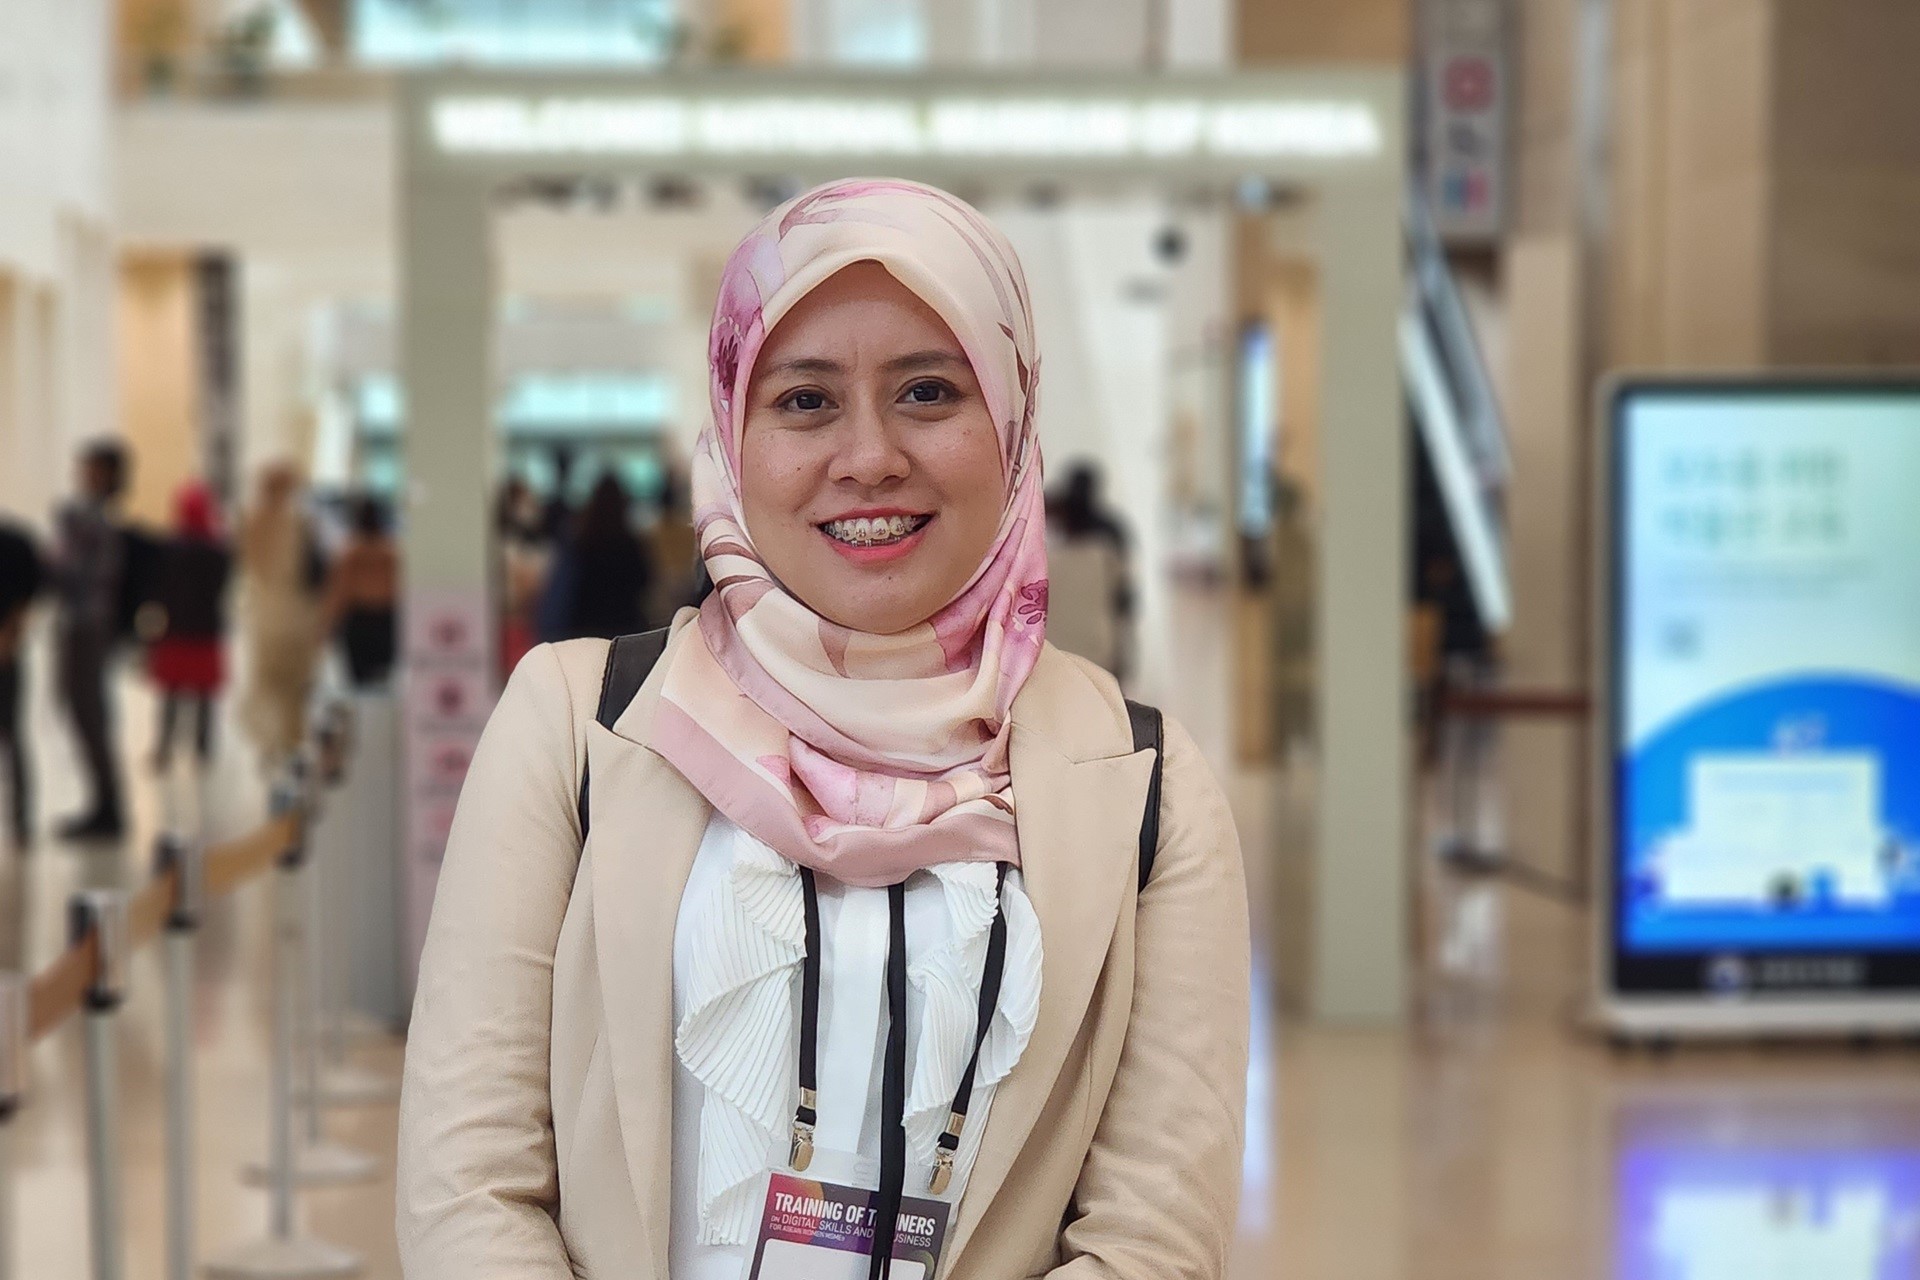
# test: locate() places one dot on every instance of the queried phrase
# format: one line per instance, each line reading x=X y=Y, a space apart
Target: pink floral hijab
x=865 y=757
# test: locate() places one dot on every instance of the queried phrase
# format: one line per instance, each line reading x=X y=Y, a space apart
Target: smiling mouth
x=874 y=531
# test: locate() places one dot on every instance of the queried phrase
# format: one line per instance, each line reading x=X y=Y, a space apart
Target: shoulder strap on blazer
x=629 y=660
x=1149 y=731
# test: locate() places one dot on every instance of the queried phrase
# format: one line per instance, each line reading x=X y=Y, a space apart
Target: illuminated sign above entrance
x=973 y=126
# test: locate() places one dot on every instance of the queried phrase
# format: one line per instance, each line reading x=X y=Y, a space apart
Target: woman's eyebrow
x=929 y=359
x=808 y=364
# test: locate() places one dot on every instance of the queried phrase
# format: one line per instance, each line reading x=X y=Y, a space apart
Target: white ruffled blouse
x=737 y=948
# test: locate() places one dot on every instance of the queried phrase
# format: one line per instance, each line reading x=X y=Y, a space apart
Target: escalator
x=1461 y=588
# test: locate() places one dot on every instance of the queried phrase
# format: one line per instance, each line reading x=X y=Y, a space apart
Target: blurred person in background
x=91 y=579
x=363 y=596
x=602 y=574
x=283 y=572
x=20 y=578
x=556 y=518
x=676 y=553
x=1092 y=583
x=185 y=624
x=517 y=514
x=522 y=553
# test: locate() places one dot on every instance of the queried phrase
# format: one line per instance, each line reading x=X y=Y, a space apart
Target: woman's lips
x=878 y=552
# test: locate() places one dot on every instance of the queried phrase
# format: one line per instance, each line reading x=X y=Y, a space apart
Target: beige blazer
x=535 y=1123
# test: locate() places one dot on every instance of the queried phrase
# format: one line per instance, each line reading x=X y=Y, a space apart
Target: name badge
x=817 y=1230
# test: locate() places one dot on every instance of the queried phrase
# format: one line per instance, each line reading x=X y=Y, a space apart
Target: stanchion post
x=314 y=943
x=315 y=1161
x=282 y=1253
x=286 y=979
x=333 y=735
x=13 y=1094
x=102 y=914
x=329 y=884
x=319 y=1161
x=184 y=859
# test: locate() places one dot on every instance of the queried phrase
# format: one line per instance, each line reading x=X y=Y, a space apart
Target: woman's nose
x=869 y=453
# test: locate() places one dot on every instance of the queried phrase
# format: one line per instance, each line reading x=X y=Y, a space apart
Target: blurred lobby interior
x=1370 y=315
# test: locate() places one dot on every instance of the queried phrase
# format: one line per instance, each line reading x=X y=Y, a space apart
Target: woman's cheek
x=782 y=470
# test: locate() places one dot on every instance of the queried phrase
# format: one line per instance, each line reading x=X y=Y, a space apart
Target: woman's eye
x=927 y=392
x=805 y=401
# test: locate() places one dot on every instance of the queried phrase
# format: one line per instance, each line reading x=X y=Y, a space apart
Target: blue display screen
x=1767 y=670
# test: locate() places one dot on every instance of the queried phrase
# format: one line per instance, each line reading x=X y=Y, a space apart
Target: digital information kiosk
x=1761 y=788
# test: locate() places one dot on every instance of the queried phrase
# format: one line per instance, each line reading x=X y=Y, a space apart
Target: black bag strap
x=1149 y=731
x=629 y=660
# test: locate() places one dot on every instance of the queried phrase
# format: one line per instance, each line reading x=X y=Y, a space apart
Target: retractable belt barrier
x=89 y=979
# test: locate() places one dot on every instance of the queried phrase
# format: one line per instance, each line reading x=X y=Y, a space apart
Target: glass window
x=412 y=32
x=879 y=32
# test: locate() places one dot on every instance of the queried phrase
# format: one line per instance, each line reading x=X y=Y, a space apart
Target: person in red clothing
x=187 y=624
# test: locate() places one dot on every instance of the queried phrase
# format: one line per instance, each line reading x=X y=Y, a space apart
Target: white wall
x=300 y=193
x=1200 y=33
x=56 y=331
x=28 y=435
x=53 y=110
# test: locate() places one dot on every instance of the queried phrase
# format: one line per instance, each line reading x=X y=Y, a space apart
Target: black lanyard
x=893 y=1080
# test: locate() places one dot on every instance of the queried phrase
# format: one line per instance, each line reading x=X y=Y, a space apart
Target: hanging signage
x=1467 y=101
x=1764 y=708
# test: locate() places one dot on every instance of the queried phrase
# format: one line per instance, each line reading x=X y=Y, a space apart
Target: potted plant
x=156 y=39
x=242 y=48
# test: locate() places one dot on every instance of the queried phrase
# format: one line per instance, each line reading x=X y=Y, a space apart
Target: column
x=447 y=433
x=1360 y=867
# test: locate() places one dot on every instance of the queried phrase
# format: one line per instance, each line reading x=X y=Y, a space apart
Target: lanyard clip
x=800 y=1152
x=948 y=1143
x=942 y=1172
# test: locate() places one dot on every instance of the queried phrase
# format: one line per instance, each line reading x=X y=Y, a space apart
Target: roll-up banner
x=1761 y=728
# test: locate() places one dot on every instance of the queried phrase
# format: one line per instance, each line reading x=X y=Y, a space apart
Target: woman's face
x=870 y=468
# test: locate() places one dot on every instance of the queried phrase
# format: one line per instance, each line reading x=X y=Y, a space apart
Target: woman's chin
x=876 y=608
x=883 y=620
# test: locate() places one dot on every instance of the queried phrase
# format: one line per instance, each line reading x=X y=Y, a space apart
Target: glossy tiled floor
x=1489 y=1140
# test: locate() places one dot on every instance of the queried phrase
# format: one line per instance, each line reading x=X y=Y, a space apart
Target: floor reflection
x=1751 y=1185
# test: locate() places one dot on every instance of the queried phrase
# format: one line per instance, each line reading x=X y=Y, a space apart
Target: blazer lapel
x=647 y=823
x=1079 y=823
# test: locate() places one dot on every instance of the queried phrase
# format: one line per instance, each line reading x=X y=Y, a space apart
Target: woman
x=1090 y=590
x=675 y=548
x=283 y=573
x=363 y=594
x=602 y=574
x=186 y=651
x=854 y=791
x=21 y=576
x=520 y=568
